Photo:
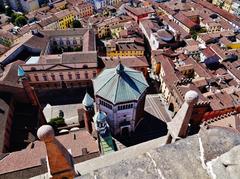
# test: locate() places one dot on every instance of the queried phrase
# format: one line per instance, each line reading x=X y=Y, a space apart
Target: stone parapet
x=211 y=153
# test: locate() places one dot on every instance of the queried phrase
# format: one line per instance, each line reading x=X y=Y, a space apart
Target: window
x=33 y=69
x=74 y=42
x=36 y=77
x=68 y=42
x=61 y=42
x=86 y=75
x=99 y=124
x=77 y=76
x=54 y=42
x=53 y=76
x=85 y=66
x=45 y=77
x=105 y=104
x=125 y=106
x=61 y=76
x=69 y=75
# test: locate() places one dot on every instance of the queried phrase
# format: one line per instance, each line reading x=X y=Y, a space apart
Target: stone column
x=178 y=127
x=88 y=115
x=33 y=98
x=59 y=159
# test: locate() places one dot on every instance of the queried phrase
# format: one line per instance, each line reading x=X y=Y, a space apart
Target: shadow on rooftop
x=149 y=128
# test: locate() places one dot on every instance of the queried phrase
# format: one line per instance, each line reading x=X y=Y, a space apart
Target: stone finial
x=178 y=127
x=191 y=97
x=46 y=133
x=59 y=159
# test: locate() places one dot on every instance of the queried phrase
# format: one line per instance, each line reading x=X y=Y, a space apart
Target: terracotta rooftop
x=140 y=10
x=32 y=155
x=231 y=120
x=230 y=17
x=62 y=14
x=185 y=20
x=131 y=62
x=207 y=52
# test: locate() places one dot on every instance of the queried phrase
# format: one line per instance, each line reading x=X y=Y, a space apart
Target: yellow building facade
x=224 y=4
x=65 y=18
x=116 y=30
x=227 y=5
x=125 y=53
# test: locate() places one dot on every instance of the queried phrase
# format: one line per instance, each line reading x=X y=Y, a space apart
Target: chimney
x=59 y=159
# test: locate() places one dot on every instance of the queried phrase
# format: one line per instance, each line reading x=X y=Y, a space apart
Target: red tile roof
x=31 y=157
x=185 y=20
x=230 y=17
x=130 y=62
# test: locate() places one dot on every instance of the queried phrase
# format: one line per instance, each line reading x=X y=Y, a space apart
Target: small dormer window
x=33 y=69
x=85 y=66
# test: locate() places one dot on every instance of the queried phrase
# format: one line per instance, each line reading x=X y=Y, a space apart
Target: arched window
x=74 y=42
x=68 y=42
x=61 y=42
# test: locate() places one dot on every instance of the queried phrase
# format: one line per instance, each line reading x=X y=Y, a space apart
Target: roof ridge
x=106 y=83
x=115 y=96
x=139 y=81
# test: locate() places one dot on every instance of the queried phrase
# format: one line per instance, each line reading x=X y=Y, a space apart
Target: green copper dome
x=100 y=117
x=120 y=84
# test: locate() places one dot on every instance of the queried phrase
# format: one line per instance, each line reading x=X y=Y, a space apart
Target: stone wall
x=212 y=153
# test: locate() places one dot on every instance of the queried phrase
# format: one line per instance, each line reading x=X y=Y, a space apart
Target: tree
x=8 y=11
x=14 y=16
x=2 y=8
x=76 y=24
x=57 y=122
x=20 y=21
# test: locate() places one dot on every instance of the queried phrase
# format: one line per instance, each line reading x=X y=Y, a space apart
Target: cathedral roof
x=21 y=72
x=87 y=100
x=120 y=84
